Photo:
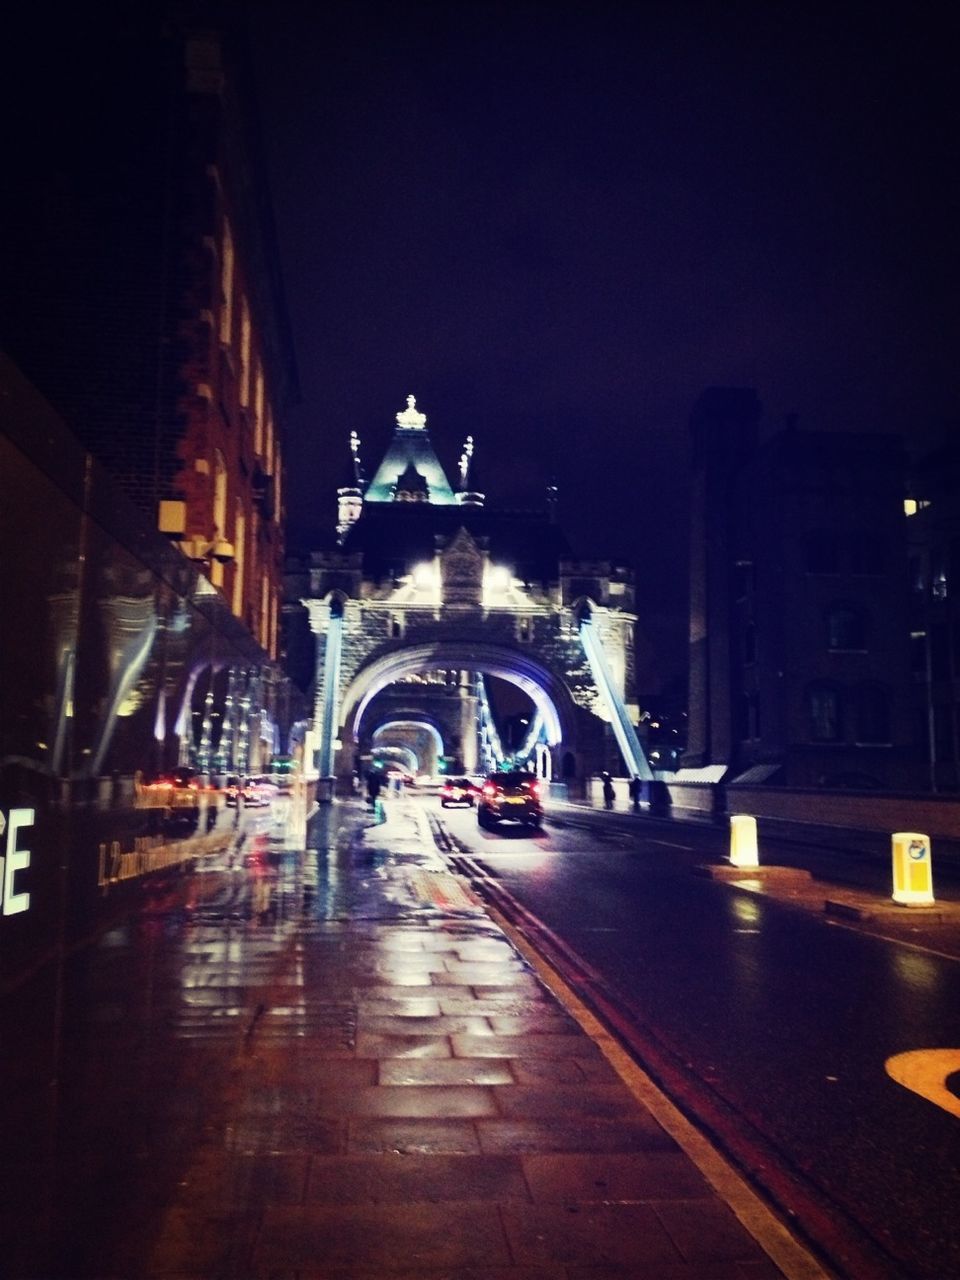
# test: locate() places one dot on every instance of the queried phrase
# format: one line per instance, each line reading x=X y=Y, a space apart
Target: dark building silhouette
x=799 y=627
x=933 y=532
x=139 y=274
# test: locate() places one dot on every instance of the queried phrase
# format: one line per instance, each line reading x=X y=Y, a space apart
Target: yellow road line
x=796 y=1262
x=925 y=1071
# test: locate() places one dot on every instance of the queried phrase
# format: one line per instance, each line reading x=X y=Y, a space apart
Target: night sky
x=557 y=225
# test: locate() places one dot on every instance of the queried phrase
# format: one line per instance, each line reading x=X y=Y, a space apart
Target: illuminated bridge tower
x=429 y=590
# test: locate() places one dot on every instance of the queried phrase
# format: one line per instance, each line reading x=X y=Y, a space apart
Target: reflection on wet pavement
x=251 y=1083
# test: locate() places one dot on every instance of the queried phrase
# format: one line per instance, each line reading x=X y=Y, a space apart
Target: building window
x=750 y=643
x=239 y=551
x=918 y=654
x=938 y=574
x=823 y=713
x=873 y=714
x=277 y=473
x=821 y=552
x=258 y=412
x=749 y=717
x=245 y=370
x=264 y=627
x=939 y=651
x=219 y=511
x=868 y=554
x=226 y=285
x=524 y=630
x=943 y=743
x=396 y=626
x=846 y=628
x=916 y=575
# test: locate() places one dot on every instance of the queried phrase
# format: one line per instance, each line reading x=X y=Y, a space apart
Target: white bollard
x=743 y=840
x=912 y=869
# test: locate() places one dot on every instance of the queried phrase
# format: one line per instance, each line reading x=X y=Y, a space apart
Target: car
x=510 y=797
x=257 y=792
x=231 y=791
x=458 y=791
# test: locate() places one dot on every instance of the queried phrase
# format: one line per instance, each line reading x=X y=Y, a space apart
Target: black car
x=510 y=797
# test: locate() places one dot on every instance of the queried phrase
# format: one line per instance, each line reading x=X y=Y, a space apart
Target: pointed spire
x=465 y=463
x=410 y=446
x=468 y=494
x=553 y=498
x=350 y=496
x=410 y=417
x=357 y=464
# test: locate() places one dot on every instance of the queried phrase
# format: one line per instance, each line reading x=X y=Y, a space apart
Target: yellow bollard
x=743 y=840
x=912 y=869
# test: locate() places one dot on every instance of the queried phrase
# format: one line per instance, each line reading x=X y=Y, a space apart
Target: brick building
x=141 y=286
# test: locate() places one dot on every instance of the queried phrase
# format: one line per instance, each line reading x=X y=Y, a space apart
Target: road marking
x=925 y=1071
x=786 y=1251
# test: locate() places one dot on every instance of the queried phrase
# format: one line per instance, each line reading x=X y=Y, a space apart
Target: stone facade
x=465 y=614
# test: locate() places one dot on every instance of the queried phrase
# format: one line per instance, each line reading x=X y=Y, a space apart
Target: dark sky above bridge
x=556 y=225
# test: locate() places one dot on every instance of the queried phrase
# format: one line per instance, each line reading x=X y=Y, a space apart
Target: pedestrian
x=636 y=790
x=373 y=788
x=607 y=791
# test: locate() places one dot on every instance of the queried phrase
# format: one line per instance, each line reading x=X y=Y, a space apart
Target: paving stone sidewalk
x=407 y=1100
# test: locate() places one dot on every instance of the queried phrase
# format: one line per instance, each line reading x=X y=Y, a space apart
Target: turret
x=467 y=493
x=350 y=495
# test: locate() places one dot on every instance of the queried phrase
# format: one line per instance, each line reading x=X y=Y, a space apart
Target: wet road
x=773 y=1023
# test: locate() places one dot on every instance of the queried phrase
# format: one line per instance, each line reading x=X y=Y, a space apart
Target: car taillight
x=489 y=790
x=533 y=788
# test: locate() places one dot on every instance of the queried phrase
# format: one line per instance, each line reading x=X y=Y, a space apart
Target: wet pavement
x=334 y=1064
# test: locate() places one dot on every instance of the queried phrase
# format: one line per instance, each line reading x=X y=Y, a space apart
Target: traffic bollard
x=743 y=840
x=912 y=869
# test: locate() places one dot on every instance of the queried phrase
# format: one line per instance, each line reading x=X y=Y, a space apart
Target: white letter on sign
x=17 y=860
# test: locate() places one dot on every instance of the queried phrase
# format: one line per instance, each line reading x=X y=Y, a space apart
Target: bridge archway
x=545 y=689
x=411 y=731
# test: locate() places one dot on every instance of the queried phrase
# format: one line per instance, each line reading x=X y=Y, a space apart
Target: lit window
x=258 y=412
x=239 y=551
x=244 y=353
x=219 y=511
x=226 y=285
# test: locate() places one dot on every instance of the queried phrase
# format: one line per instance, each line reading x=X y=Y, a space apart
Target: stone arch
x=547 y=691
x=421 y=723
